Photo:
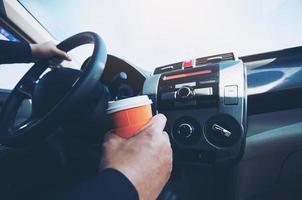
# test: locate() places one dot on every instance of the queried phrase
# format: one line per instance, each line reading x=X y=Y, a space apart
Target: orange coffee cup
x=129 y=115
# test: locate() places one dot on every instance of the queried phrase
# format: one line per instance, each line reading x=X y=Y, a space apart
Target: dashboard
x=209 y=100
x=274 y=79
x=205 y=104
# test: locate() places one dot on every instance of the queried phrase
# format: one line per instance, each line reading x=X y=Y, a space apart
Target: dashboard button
x=231 y=95
x=187 y=64
x=184 y=93
x=203 y=91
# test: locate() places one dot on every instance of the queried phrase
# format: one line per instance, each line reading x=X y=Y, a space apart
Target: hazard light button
x=187 y=64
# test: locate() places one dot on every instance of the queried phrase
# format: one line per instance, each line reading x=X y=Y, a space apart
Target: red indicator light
x=184 y=75
x=187 y=63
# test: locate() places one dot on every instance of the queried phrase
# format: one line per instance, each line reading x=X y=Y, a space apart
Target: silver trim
x=221 y=130
x=189 y=84
x=208 y=91
x=150 y=88
x=187 y=125
x=232 y=73
x=215 y=58
x=167 y=67
x=188 y=93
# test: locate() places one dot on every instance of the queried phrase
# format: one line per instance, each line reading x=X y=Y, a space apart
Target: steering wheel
x=74 y=88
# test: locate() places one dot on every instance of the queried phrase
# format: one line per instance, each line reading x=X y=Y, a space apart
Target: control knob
x=185 y=130
x=184 y=93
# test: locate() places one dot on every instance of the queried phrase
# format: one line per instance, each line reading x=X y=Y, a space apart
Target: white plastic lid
x=133 y=102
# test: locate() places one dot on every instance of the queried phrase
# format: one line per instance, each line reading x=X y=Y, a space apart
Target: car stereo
x=205 y=104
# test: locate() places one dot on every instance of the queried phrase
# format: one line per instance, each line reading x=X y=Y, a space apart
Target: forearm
x=14 y=52
x=107 y=185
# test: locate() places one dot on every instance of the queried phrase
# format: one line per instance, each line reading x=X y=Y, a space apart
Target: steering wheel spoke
x=25 y=91
x=27 y=123
x=26 y=87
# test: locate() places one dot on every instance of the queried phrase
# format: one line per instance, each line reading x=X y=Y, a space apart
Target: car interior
x=234 y=122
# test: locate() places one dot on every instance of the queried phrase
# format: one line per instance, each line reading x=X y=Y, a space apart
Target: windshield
x=159 y=32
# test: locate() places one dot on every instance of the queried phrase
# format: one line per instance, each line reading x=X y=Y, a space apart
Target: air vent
x=215 y=59
x=168 y=68
x=200 y=61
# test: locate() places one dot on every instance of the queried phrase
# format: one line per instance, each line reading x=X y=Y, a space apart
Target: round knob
x=184 y=92
x=185 y=130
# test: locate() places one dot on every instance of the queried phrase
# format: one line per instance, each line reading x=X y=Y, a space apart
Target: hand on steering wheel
x=33 y=86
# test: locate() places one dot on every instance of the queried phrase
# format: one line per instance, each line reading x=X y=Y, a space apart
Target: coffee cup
x=129 y=115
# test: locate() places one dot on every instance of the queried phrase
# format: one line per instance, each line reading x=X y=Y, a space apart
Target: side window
x=10 y=74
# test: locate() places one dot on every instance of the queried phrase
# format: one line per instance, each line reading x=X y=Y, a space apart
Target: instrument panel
x=205 y=104
x=123 y=80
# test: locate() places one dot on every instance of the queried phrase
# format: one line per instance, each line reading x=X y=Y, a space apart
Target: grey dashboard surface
x=273 y=154
x=259 y=124
x=271 y=158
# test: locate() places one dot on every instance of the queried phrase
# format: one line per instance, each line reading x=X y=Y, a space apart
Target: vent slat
x=199 y=61
x=211 y=59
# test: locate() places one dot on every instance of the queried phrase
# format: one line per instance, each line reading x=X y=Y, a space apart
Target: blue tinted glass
x=7 y=35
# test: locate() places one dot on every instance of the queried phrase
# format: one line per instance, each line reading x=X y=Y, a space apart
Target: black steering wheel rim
x=34 y=130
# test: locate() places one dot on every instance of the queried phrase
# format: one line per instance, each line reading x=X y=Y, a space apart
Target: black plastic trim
x=295 y=51
x=2 y=9
x=275 y=101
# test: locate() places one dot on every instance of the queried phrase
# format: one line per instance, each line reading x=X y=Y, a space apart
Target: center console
x=205 y=102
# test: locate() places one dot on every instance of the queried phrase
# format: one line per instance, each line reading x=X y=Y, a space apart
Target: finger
x=110 y=135
x=165 y=134
x=164 y=137
x=156 y=125
x=54 y=63
x=62 y=54
x=51 y=65
x=167 y=139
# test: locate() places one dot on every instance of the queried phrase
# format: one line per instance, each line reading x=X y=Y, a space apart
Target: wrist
x=34 y=50
x=131 y=191
x=133 y=175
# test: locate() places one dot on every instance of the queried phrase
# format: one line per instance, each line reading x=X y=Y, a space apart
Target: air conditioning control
x=185 y=130
x=205 y=106
x=223 y=130
x=220 y=130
